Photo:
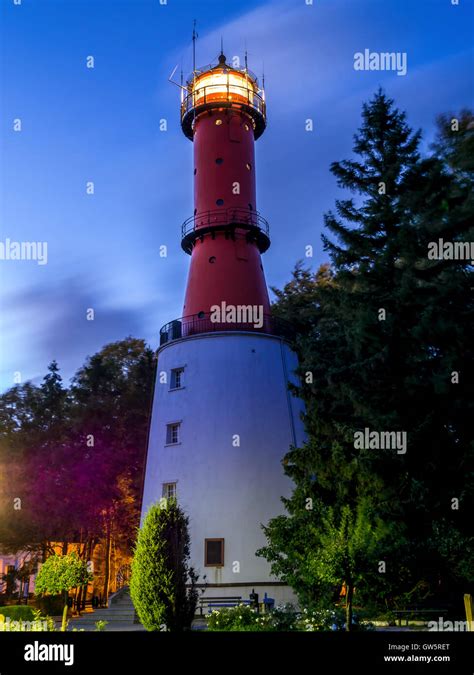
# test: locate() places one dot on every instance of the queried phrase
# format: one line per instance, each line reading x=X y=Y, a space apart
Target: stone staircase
x=120 y=615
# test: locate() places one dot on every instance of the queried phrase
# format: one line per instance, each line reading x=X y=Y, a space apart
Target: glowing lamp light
x=223 y=85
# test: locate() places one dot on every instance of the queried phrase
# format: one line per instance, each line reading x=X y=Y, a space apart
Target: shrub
x=282 y=618
x=388 y=616
x=18 y=612
x=239 y=618
x=244 y=618
x=320 y=620
x=61 y=573
x=34 y=623
x=161 y=570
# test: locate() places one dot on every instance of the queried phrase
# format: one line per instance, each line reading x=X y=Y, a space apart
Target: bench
x=407 y=614
x=220 y=602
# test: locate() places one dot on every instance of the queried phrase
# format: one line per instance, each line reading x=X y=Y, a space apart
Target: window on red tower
x=214 y=552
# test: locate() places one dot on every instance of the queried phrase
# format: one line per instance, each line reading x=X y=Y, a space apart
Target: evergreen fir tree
x=380 y=346
x=161 y=571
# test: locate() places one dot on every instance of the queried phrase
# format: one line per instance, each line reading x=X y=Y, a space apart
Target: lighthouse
x=223 y=416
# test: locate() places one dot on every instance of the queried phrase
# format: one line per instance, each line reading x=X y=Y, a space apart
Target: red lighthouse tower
x=223 y=113
x=223 y=415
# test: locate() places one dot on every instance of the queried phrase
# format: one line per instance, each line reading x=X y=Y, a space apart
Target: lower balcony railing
x=202 y=323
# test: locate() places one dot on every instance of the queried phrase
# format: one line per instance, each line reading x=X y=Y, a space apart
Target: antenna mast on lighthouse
x=195 y=36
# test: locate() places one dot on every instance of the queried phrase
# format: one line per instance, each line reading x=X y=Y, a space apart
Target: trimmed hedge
x=161 y=570
x=18 y=612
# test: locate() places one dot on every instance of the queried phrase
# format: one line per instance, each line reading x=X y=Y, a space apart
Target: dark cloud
x=55 y=326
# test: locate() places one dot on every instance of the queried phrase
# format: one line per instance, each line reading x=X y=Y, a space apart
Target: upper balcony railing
x=225 y=219
x=204 y=97
x=201 y=323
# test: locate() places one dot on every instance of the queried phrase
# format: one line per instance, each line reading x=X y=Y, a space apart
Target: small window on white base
x=172 y=433
x=176 y=378
x=169 y=490
x=214 y=552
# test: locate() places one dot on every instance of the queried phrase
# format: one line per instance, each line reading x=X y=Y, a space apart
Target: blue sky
x=102 y=125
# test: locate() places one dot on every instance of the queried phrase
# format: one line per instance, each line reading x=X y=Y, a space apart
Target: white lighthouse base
x=235 y=421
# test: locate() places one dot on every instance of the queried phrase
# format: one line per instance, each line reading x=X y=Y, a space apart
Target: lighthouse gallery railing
x=231 y=216
x=201 y=323
x=225 y=219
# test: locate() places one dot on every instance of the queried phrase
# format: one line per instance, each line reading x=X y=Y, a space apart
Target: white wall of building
x=234 y=385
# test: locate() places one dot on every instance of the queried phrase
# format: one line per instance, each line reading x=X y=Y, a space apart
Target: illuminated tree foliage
x=60 y=574
x=75 y=456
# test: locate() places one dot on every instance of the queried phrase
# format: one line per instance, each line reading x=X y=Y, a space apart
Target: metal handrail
x=221 y=217
x=196 y=324
x=214 y=93
x=123 y=575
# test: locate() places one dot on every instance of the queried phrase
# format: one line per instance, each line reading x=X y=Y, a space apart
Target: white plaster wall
x=233 y=383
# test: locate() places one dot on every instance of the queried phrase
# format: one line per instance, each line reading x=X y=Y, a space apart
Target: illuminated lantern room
x=221 y=87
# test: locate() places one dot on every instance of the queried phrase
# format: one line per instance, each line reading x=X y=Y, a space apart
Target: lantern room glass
x=223 y=86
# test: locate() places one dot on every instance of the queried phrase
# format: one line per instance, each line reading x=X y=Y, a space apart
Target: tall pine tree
x=388 y=349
